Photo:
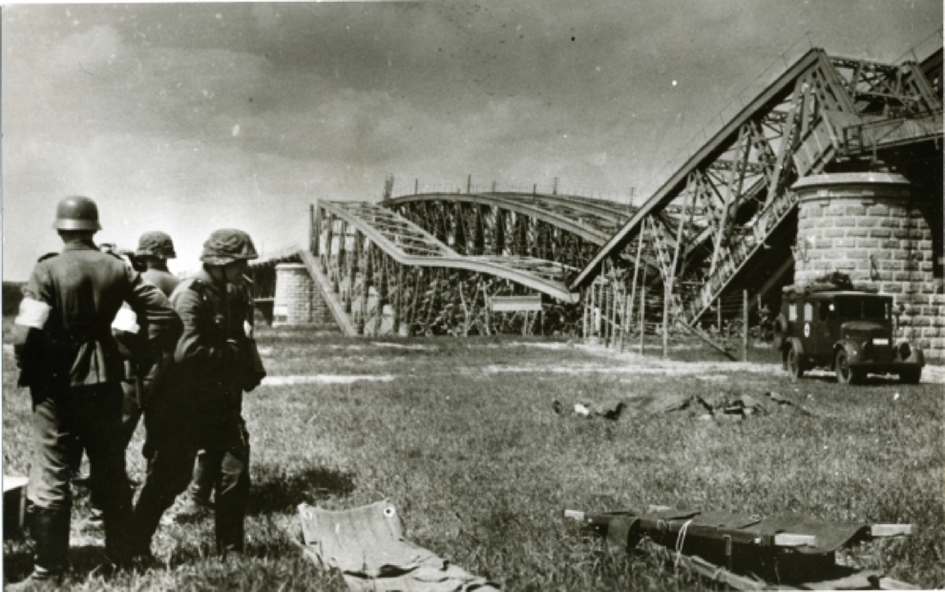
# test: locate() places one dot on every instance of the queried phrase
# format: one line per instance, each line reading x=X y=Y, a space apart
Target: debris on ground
x=730 y=404
x=367 y=545
x=787 y=551
x=606 y=410
x=717 y=405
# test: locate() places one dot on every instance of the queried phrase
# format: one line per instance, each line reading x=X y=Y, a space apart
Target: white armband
x=126 y=320
x=33 y=313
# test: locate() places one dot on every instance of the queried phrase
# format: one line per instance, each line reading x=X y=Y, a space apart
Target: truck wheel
x=845 y=374
x=795 y=365
x=779 y=331
x=910 y=376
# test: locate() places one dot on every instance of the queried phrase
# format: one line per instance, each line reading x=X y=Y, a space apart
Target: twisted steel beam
x=408 y=244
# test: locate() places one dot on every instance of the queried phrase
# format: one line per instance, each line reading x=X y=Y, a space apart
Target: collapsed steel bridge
x=722 y=220
x=822 y=114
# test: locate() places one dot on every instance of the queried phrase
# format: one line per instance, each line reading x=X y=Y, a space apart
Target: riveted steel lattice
x=389 y=275
x=730 y=198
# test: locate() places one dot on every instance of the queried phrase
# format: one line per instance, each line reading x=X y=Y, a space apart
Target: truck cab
x=848 y=331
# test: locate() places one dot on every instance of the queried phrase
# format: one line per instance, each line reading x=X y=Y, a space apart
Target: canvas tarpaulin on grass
x=367 y=545
x=789 y=549
x=754 y=532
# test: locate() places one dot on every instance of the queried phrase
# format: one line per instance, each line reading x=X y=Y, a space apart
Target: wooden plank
x=717 y=573
x=787 y=539
x=890 y=530
x=855 y=581
x=574 y=515
x=891 y=584
x=515 y=303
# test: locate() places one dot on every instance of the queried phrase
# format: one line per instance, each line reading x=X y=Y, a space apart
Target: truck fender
x=789 y=344
x=853 y=349
x=916 y=355
x=795 y=344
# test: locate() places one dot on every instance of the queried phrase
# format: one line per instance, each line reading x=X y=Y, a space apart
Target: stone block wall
x=293 y=299
x=867 y=226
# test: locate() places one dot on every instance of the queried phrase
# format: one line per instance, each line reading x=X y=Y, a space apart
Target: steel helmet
x=228 y=245
x=77 y=213
x=156 y=244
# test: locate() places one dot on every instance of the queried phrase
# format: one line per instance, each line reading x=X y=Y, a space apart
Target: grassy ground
x=460 y=435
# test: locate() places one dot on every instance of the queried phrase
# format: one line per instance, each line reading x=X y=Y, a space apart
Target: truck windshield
x=863 y=308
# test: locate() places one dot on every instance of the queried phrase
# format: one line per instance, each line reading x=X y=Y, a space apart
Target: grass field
x=460 y=435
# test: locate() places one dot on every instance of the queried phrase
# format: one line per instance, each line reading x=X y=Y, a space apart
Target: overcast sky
x=191 y=117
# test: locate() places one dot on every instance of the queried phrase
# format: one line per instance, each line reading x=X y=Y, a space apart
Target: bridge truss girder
x=566 y=229
x=389 y=275
x=733 y=209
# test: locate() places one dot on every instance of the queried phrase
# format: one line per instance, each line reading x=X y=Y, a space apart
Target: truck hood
x=863 y=330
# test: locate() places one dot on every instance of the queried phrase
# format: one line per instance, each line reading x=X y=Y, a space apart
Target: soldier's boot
x=118 y=539
x=228 y=520
x=229 y=533
x=145 y=518
x=50 y=534
x=196 y=503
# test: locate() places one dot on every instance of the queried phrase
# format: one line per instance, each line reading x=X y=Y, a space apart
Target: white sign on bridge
x=515 y=303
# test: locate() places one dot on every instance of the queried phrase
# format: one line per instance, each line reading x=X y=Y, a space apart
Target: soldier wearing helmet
x=154 y=249
x=196 y=401
x=70 y=361
x=150 y=259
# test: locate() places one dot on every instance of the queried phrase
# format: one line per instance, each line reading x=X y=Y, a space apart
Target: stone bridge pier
x=874 y=228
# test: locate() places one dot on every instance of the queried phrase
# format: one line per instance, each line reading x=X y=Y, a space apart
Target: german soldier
x=150 y=259
x=154 y=249
x=71 y=363
x=196 y=402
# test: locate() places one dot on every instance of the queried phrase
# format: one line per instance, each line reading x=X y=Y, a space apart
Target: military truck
x=849 y=331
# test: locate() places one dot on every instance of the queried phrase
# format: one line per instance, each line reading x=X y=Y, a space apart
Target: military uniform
x=207 y=466
x=196 y=404
x=72 y=365
x=140 y=370
x=150 y=260
x=165 y=281
x=154 y=249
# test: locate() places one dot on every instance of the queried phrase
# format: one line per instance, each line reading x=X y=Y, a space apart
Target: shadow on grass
x=275 y=491
x=84 y=560
x=17 y=564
